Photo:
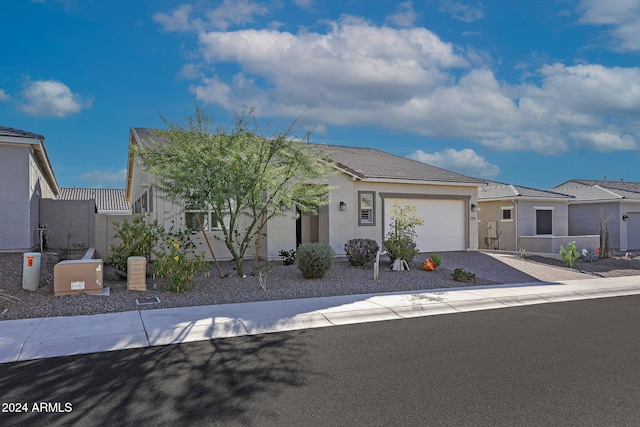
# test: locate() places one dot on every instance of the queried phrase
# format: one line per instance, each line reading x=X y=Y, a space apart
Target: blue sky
x=526 y=92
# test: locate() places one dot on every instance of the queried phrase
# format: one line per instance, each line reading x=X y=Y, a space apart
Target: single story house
x=362 y=191
x=616 y=202
x=513 y=217
x=26 y=176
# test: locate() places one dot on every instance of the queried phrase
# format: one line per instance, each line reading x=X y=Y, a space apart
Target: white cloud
x=230 y=12
x=176 y=21
x=405 y=15
x=354 y=64
x=4 y=96
x=408 y=79
x=51 y=98
x=103 y=179
x=622 y=16
x=304 y=4
x=462 y=12
x=465 y=161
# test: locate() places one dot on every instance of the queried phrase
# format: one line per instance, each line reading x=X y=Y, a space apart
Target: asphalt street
x=572 y=363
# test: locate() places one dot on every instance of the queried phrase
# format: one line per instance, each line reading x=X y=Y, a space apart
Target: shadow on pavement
x=190 y=384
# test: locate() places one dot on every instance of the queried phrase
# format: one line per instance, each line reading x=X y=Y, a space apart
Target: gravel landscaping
x=284 y=282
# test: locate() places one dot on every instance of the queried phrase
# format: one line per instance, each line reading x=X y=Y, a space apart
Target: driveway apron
x=506 y=268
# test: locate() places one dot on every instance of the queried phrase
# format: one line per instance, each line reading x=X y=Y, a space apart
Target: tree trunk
x=239 y=266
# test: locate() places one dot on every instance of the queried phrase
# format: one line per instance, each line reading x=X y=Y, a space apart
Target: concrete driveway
x=507 y=268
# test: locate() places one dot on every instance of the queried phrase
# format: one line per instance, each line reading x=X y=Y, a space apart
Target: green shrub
x=361 y=251
x=137 y=238
x=177 y=260
x=288 y=257
x=400 y=240
x=570 y=254
x=459 y=275
x=436 y=257
x=400 y=248
x=314 y=260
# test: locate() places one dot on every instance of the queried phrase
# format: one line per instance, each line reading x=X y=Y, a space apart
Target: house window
x=544 y=223
x=207 y=217
x=366 y=208
x=507 y=214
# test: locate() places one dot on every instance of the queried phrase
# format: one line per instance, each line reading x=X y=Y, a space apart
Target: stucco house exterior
x=363 y=189
x=513 y=217
x=26 y=176
x=617 y=201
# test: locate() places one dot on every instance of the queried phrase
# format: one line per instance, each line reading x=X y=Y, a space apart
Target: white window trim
x=506 y=208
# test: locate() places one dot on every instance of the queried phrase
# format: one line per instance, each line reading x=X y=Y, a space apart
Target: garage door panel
x=444 y=227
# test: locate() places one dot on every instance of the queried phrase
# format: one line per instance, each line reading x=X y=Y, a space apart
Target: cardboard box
x=78 y=277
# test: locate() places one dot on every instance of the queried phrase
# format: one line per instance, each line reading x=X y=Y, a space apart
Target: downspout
x=515 y=214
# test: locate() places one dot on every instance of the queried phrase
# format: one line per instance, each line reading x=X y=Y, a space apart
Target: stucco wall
x=584 y=219
x=104 y=230
x=523 y=222
x=15 y=200
x=344 y=224
x=70 y=223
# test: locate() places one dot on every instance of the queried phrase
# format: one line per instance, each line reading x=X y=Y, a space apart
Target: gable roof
x=107 y=199
x=373 y=164
x=360 y=163
x=17 y=136
x=17 y=133
x=616 y=185
x=591 y=190
x=499 y=190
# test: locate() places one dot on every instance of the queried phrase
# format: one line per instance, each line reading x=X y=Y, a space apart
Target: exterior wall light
x=343 y=206
x=474 y=208
x=625 y=217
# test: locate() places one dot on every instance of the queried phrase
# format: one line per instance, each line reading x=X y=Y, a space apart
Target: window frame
x=550 y=213
x=372 y=209
x=510 y=210
x=207 y=216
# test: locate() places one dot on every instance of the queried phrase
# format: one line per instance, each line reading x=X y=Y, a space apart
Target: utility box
x=83 y=276
x=31 y=271
x=137 y=273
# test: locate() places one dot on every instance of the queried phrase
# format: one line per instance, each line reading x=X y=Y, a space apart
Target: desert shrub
x=137 y=238
x=288 y=257
x=400 y=248
x=361 y=251
x=176 y=260
x=400 y=240
x=460 y=275
x=569 y=254
x=314 y=260
x=436 y=257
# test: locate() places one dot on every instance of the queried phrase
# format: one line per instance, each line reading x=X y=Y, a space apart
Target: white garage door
x=633 y=231
x=444 y=223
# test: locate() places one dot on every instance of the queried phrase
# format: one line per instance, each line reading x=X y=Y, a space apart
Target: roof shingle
x=107 y=199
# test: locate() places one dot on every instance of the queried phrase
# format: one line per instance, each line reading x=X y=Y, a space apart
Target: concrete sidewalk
x=29 y=339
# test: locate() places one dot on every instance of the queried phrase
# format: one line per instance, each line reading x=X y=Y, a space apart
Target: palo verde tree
x=242 y=172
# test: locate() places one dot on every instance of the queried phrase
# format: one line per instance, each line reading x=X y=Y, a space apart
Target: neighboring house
x=26 y=176
x=81 y=217
x=513 y=217
x=108 y=201
x=362 y=191
x=616 y=202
